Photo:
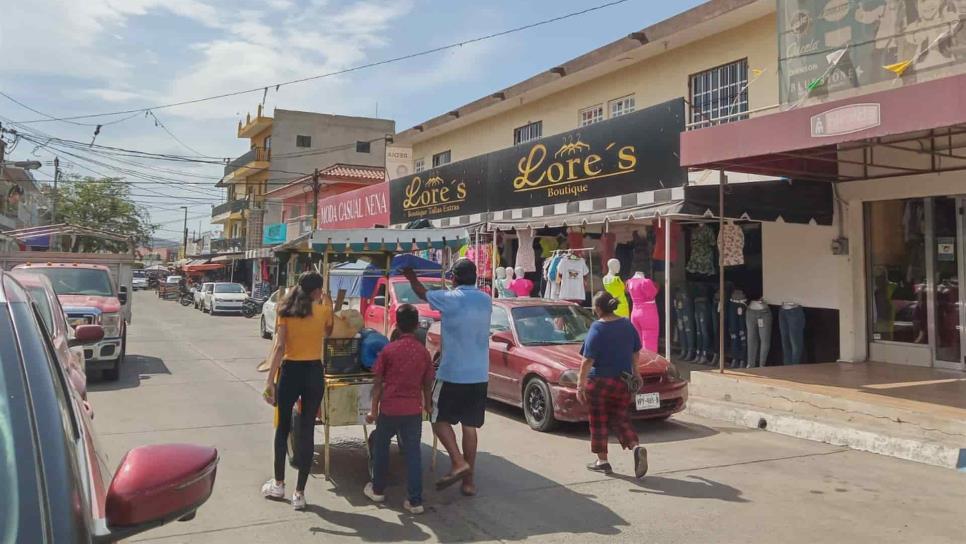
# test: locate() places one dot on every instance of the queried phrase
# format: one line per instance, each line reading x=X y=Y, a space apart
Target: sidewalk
x=912 y=413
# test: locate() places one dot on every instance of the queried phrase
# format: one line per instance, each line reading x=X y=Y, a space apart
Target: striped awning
x=260 y=253
x=377 y=241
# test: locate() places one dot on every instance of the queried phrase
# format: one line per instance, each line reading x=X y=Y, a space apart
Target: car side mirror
x=158 y=484
x=86 y=334
x=503 y=337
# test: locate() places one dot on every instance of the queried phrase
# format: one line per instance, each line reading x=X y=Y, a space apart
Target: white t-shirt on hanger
x=572 y=271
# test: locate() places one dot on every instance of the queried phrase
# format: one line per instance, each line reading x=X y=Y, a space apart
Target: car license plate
x=647 y=401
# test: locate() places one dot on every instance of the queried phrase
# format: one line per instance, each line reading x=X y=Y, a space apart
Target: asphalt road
x=191 y=378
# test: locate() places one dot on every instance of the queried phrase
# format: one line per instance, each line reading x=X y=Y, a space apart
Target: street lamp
x=25 y=165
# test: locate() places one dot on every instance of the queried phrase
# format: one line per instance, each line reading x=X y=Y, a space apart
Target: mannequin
x=615 y=286
x=501 y=284
x=521 y=286
x=644 y=316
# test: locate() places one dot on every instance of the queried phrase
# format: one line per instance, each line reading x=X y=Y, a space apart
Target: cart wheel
x=293 y=437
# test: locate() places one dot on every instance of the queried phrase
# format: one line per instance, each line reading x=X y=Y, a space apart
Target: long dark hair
x=298 y=303
x=605 y=303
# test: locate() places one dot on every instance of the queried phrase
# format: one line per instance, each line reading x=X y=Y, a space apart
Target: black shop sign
x=632 y=153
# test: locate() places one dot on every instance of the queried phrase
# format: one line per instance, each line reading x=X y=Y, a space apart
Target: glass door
x=949 y=241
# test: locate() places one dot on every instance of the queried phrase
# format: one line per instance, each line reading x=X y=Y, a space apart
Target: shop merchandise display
x=702 y=259
x=704 y=341
x=526 y=258
x=548 y=244
x=641 y=254
x=520 y=286
x=644 y=315
x=607 y=248
x=501 y=284
x=731 y=242
x=660 y=225
x=614 y=285
x=684 y=321
x=791 y=321
x=575 y=239
x=482 y=257
x=758 y=325
x=571 y=271
x=553 y=284
x=737 y=328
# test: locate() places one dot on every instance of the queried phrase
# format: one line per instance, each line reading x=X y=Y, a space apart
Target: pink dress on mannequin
x=644 y=316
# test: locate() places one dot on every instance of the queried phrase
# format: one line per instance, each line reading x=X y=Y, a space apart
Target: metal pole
x=315 y=200
x=53 y=202
x=722 y=181
x=667 y=289
x=185 y=255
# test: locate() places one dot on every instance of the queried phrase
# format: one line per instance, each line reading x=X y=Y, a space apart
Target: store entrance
x=948 y=265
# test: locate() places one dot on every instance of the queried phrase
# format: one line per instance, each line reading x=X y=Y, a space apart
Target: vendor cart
x=347 y=396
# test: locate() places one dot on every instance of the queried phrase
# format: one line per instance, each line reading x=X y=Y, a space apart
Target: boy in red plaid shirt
x=401 y=393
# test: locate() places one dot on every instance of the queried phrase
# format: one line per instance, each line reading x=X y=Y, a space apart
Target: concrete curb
x=830 y=432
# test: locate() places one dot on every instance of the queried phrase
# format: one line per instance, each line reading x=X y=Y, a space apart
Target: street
x=189 y=377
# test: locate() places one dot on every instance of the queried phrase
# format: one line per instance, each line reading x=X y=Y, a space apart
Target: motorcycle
x=252 y=307
x=187 y=298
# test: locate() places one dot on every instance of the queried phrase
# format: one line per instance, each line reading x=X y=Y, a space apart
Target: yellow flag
x=899 y=68
x=757 y=72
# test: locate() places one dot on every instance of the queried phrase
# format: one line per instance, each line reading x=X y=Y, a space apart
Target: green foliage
x=103 y=204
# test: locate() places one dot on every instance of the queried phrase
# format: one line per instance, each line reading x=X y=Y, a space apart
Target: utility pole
x=54 y=197
x=3 y=146
x=315 y=199
x=185 y=208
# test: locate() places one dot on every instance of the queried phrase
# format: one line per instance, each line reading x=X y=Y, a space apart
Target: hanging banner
x=361 y=208
x=632 y=153
x=457 y=188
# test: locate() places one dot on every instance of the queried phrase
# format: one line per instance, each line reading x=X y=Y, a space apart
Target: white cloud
x=115 y=95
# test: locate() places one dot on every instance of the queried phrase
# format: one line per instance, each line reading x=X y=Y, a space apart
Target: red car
x=57 y=485
x=374 y=307
x=535 y=359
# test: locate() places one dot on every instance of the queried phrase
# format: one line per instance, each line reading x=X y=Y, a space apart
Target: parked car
x=90 y=297
x=266 y=325
x=54 y=477
x=139 y=280
x=69 y=354
x=224 y=297
x=535 y=357
x=374 y=308
x=200 y=293
x=170 y=288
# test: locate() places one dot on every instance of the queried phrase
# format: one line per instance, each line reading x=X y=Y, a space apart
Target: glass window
x=551 y=324
x=528 y=132
x=363 y=147
x=405 y=295
x=720 y=95
x=78 y=281
x=621 y=106
x=419 y=165
x=440 y=159
x=591 y=115
x=43 y=304
x=499 y=320
x=303 y=141
x=229 y=288
x=896 y=234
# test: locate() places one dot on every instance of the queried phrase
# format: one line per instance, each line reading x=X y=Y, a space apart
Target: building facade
x=20 y=199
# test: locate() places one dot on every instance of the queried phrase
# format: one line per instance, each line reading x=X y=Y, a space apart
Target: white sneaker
x=418 y=509
x=298 y=501
x=272 y=490
x=369 y=492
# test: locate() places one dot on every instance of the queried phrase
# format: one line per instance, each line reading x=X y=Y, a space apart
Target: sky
x=77 y=57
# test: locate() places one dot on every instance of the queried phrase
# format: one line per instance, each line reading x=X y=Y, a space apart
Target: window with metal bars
x=621 y=106
x=440 y=159
x=591 y=115
x=528 y=132
x=419 y=165
x=719 y=95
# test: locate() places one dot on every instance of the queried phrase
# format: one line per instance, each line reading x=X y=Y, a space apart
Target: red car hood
x=568 y=356
x=104 y=304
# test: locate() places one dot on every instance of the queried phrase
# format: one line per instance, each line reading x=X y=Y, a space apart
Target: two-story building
x=20 y=199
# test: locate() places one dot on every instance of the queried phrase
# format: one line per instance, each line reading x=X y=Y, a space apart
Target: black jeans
x=299 y=379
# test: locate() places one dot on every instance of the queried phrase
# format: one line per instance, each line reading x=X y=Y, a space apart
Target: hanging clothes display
x=731 y=243
x=553 y=282
x=525 y=255
x=548 y=244
x=481 y=256
x=571 y=271
x=607 y=248
x=615 y=286
x=659 y=235
x=702 y=252
x=644 y=316
x=575 y=239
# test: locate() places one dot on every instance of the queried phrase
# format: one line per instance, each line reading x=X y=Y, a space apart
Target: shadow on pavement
x=513 y=503
x=695 y=487
x=134 y=369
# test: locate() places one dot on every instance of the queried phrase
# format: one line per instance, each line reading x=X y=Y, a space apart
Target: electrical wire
x=53 y=118
x=357 y=68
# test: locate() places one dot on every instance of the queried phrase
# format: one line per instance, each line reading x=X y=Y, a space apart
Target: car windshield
x=172 y=279
x=138 y=274
x=229 y=288
x=551 y=324
x=43 y=304
x=405 y=295
x=78 y=281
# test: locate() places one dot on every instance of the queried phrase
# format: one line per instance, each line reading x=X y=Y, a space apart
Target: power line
x=53 y=118
x=392 y=60
x=158 y=123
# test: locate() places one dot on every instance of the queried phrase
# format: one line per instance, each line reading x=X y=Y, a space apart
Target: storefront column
x=722 y=181
x=667 y=288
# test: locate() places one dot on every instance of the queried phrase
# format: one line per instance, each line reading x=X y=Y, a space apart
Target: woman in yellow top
x=304 y=320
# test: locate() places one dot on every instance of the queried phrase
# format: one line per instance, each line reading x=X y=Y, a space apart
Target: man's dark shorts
x=463 y=403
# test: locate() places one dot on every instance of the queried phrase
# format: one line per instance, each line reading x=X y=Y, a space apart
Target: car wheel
x=538 y=406
x=293 y=438
x=262 y=329
x=112 y=374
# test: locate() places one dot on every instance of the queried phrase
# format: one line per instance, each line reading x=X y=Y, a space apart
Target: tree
x=103 y=204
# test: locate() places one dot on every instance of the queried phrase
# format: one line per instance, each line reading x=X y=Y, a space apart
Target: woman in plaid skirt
x=609 y=368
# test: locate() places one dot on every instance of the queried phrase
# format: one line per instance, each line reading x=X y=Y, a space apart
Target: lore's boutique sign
x=633 y=153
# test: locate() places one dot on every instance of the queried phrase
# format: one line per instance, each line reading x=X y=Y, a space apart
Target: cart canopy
x=423 y=267
x=382 y=241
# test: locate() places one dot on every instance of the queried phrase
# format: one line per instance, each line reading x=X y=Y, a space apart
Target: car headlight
x=112 y=324
x=569 y=378
x=672 y=371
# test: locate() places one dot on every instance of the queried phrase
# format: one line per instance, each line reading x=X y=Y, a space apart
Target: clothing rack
x=590 y=262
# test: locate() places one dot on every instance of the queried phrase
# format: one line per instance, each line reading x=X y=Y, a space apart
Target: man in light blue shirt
x=459 y=395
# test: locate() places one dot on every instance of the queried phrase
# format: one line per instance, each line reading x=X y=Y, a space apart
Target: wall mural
x=830 y=46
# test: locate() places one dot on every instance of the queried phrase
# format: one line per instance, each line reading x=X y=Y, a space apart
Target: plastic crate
x=341 y=356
